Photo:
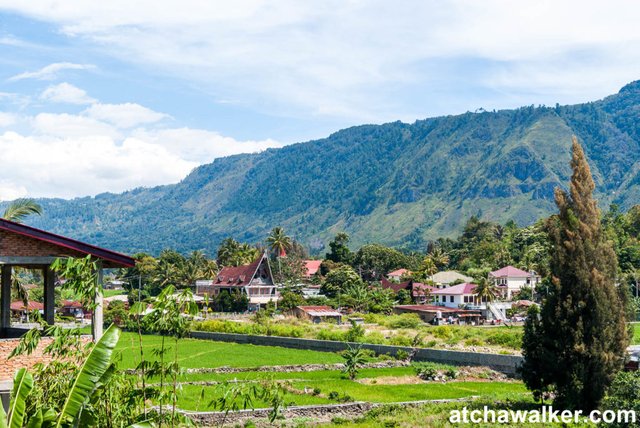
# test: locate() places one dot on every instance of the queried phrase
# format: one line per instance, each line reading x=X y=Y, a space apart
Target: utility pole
x=139 y=287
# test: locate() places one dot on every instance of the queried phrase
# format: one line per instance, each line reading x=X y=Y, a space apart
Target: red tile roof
x=393 y=286
x=420 y=289
x=238 y=276
x=398 y=272
x=312 y=266
x=71 y=304
x=31 y=306
x=460 y=289
x=510 y=271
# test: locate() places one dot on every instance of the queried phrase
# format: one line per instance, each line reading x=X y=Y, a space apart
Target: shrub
x=355 y=333
x=403 y=321
x=316 y=391
x=374 y=337
x=333 y=395
x=506 y=338
x=443 y=332
x=400 y=340
x=623 y=394
x=426 y=372
x=451 y=373
x=402 y=355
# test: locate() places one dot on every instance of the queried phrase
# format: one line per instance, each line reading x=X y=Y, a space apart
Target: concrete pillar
x=98 y=317
x=49 y=295
x=5 y=297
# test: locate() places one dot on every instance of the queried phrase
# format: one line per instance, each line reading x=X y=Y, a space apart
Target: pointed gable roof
x=312 y=267
x=239 y=276
x=510 y=271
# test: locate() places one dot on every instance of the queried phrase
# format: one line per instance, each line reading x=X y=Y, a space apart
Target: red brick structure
x=32 y=248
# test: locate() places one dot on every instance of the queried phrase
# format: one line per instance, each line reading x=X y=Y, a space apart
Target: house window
x=451 y=299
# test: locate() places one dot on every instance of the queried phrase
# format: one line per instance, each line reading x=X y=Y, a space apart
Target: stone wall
x=503 y=363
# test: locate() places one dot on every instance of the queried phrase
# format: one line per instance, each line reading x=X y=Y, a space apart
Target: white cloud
x=125 y=115
x=50 y=71
x=7 y=119
x=68 y=155
x=66 y=93
x=355 y=59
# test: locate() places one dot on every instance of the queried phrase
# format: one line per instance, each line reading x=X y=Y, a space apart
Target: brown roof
x=31 y=306
x=71 y=304
x=393 y=286
x=111 y=258
x=238 y=276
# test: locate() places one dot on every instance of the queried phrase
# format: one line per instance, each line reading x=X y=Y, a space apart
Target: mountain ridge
x=397 y=183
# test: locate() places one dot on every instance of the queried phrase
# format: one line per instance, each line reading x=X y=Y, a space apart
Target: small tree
x=353 y=359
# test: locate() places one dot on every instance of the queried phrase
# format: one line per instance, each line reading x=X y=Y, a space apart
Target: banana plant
x=93 y=373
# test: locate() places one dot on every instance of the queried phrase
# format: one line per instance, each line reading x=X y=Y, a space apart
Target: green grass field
x=385 y=385
x=194 y=353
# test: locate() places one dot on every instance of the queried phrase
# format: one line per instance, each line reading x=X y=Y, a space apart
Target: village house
x=420 y=293
x=449 y=277
x=255 y=280
x=312 y=267
x=439 y=314
x=396 y=275
x=318 y=314
x=456 y=295
x=511 y=280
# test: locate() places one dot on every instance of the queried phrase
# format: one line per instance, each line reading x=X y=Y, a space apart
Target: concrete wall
x=504 y=363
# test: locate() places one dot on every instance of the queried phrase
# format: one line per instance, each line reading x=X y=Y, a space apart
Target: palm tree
x=439 y=257
x=279 y=243
x=19 y=209
x=485 y=290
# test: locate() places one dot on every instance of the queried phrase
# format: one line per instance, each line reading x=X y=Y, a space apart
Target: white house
x=456 y=295
x=511 y=280
x=396 y=275
x=446 y=278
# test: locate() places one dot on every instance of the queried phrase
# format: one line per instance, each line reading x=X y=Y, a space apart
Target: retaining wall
x=503 y=363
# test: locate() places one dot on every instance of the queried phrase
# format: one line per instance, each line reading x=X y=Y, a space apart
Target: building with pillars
x=31 y=248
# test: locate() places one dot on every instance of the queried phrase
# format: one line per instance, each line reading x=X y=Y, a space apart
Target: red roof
x=71 y=304
x=420 y=289
x=425 y=308
x=510 y=271
x=312 y=266
x=111 y=258
x=238 y=276
x=460 y=289
x=393 y=286
x=31 y=306
x=398 y=272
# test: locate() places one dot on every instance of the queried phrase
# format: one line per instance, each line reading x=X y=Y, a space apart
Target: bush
x=316 y=391
x=402 y=355
x=403 y=321
x=333 y=395
x=451 y=373
x=623 y=394
x=426 y=372
x=443 y=332
x=511 y=339
x=355 y=333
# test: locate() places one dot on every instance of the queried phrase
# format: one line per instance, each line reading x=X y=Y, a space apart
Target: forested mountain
x=398 y=184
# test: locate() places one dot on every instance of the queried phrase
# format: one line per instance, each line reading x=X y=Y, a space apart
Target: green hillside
x=399 y=184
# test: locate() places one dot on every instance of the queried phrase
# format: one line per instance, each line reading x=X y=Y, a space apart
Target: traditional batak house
x=255 y=280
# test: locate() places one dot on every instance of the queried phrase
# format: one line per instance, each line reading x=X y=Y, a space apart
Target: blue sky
x=127 y=94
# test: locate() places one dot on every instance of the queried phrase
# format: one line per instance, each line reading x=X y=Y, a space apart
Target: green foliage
x=623 y=394
x=20 y=209
x=373 y=261
x=353 y=359
x=579 y=343
x=340 y=252
x=233 y=253
x=234 y=301
x=355 y=333
x=289 y=300
x=339 y=280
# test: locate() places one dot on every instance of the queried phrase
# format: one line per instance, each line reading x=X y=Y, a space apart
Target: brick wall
x=13 y=244
x=9 y=367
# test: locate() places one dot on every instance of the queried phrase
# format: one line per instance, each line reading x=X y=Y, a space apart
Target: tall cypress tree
x=579 y=341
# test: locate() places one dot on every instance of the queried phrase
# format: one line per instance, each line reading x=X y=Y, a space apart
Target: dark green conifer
x=579 y=342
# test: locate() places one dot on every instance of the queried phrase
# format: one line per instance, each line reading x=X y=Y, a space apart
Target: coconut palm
x=279 y=243
x=439 y=257
x=19 y=209
x=486 y=290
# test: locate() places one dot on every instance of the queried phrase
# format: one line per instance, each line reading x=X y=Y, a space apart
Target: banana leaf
x=92 y=371
x=22 y=386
